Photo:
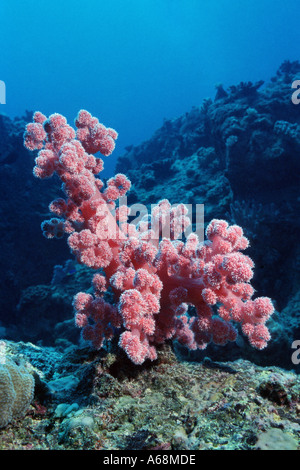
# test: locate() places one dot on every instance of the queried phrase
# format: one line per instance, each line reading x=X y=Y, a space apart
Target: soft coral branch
x=154 y=278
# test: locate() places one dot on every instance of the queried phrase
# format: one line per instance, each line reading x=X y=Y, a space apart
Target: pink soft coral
x=154 y=278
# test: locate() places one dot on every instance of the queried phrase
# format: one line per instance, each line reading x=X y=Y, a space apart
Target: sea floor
x=84 y=401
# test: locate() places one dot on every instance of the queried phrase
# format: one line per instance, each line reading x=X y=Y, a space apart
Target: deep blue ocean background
x=133 y=63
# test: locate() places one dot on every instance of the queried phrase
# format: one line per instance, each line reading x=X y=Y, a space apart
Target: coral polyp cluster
x=154 y=278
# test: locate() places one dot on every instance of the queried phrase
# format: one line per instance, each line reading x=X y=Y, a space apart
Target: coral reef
x=239 y=151
x=238 y=155
x=154 y=276
x=212 y=147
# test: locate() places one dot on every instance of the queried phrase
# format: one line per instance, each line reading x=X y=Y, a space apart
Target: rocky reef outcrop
x=239 y=156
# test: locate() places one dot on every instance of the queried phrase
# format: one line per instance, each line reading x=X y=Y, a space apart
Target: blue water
x=133 y=63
